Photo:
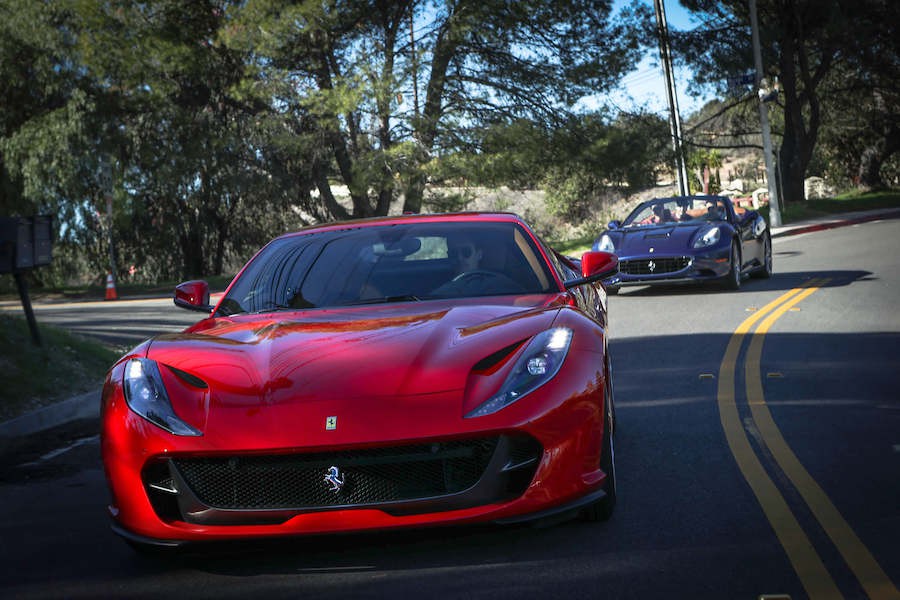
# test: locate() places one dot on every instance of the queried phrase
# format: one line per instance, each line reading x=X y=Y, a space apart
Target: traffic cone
x=110 y=288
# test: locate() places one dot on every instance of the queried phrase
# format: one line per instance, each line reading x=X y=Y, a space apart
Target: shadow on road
x=778 y=282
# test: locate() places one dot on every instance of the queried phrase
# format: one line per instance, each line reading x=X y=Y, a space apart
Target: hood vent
x=488 y=364
x=188 y=378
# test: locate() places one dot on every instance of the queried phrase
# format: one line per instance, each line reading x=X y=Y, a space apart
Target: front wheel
x=602 y=509
x=733 y=279
x=765 y=270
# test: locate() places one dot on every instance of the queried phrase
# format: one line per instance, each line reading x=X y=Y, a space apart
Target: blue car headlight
x=710 y=238
x=604 y=244
x=537 y=365
x=146 y=395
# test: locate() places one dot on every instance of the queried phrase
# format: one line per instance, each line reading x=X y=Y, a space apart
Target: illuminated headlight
x=605 y=244
x=709 y=238
x=146 y=395
x=537 y=365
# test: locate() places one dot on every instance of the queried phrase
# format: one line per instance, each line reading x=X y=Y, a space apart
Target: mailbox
x=25 y=242
x=43 y=240
x=8 y=235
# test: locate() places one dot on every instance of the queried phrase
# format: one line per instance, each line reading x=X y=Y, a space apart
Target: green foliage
x=592 y=156
x=34 y=375
x=837 y=66
x=700 y=162
x=213 y=125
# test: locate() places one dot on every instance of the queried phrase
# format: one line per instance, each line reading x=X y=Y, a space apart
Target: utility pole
x=772 y=183
x=665 y=56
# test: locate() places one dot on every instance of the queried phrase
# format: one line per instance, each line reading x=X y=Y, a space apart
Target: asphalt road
x=121 y=324
x=765 y=461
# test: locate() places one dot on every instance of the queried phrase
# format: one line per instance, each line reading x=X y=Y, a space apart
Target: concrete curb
x=832 y=223
x=87 y=406
x=82 y=407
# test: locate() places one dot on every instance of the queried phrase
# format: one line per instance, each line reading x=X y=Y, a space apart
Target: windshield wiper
x=386 y=300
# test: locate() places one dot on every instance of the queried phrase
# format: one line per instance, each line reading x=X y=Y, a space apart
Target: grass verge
x=850 y=202
x=36 y=376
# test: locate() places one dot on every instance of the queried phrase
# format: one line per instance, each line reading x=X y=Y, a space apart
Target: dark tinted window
x=415 y=261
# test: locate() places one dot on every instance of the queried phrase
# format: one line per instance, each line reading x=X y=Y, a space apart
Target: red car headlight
x=146 y=395
x=537 y=365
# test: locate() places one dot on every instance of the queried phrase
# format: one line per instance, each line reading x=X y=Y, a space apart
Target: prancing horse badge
x=330 y=423
x=335 y=479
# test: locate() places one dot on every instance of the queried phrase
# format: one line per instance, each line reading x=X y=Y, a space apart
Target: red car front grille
x=399 y=479
x=368 y=476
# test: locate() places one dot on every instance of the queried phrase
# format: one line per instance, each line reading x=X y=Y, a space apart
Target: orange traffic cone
x=110 y=288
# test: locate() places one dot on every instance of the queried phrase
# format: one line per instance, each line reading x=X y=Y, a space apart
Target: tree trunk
x=221 y=237
x=426 y=129
x=192 y=250
x=414 y=193
x=875 y=156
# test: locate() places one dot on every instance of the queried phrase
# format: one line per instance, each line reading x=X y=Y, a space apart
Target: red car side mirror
x=193 y=295
x=599 y=265
x=594 y=267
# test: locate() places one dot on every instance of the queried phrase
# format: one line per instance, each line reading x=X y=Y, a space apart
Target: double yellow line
x=816 y=579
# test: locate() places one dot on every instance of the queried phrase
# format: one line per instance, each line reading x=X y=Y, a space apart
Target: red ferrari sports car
x=374 y=374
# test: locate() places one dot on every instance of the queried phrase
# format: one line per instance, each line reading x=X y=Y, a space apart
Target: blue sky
x=645 y=87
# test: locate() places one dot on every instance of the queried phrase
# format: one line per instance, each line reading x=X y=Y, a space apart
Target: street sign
x=742 y=80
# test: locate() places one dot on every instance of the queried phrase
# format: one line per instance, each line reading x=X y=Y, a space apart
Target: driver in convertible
x=661 y=214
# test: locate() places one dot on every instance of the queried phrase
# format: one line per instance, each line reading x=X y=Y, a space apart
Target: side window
x=568 y=272
x=431 y=248
x=564 y=271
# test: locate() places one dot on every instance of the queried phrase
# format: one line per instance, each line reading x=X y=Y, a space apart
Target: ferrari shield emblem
x=330 y=423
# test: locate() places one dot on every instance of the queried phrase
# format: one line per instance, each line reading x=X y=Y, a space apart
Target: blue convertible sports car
x=688 y=239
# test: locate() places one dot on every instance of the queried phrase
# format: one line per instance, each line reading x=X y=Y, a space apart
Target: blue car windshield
x=676 y=210
x=390 y=263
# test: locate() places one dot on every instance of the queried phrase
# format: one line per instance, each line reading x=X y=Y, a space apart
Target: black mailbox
x=7 y=244
x=25 y=242
x=43 y=240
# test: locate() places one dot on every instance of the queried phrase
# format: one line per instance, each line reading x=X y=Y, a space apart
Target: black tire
x=765 y=271
x=733 y=279
x=612 y=290
x=602 y=509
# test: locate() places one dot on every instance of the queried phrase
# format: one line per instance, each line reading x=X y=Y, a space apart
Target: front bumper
x=150 y=505
x=671 y=269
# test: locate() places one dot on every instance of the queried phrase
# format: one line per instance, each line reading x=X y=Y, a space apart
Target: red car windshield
x=390 y=263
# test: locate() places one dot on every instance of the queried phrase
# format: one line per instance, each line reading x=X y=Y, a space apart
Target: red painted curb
x=836 y=224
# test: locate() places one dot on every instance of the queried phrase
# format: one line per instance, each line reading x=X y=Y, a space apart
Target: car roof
x=468 y=217
x=691 y=197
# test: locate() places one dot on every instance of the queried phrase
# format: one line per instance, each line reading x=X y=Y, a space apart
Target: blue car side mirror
x=614 y=224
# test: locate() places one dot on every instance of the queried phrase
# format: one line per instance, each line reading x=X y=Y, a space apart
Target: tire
x=602 y=509
x=733 y=279
x=612 y=290
x=765 y=271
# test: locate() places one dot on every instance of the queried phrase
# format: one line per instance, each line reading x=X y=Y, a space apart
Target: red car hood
x=287 y=363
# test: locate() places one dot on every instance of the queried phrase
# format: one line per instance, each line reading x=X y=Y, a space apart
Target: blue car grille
x=654 y=266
